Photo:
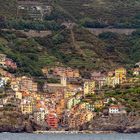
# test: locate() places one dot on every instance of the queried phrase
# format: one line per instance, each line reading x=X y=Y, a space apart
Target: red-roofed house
x=116 y=109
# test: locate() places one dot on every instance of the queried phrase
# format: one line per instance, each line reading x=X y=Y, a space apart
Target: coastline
x=74 y=132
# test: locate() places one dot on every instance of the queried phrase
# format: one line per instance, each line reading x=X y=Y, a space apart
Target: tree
x=2 y=22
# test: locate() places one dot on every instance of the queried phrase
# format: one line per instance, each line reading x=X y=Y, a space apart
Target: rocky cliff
x=16 y=122
x=122 y=124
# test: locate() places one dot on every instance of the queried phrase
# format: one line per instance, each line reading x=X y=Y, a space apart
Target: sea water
x=25 y=136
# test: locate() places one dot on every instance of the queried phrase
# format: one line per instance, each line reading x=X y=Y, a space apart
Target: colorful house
x=60 y=107
x=68 y=72
x=116 y=109
x=99 y=104
x=137 y=64
x=2 y=60
x=72 y=102
x=112 y=81
x=52 y=120
x=87 y=106
x=45 y=71
x=27 y=84
x=39 y=117
x=18 y=95
x=10 y=63
x=99 y=78
x=121 y=74
x=136 y=71
x=26 y=107
x=89 y=87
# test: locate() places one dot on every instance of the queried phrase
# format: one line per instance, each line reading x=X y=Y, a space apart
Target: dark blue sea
x=24 y=136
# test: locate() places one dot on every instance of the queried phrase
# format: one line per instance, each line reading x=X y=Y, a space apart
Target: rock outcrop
x=122 y=124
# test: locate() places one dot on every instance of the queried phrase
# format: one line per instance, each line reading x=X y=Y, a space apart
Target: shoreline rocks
x=18 y=123
x=120 y=124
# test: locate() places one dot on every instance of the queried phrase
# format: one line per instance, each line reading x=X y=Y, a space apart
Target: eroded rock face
x=12 y=121
x=122 y=124
x=9 y=128
x=16 y=122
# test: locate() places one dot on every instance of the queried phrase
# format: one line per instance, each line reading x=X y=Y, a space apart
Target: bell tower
x=63 y=81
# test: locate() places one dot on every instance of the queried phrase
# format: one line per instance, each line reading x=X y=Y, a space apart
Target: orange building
x=60 y=108
x=68 y=72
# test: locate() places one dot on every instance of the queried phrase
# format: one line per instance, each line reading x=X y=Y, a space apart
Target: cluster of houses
x=6 y=62
x=61 y=104
x=61 y=71
x=33 y=9
x=136 y=70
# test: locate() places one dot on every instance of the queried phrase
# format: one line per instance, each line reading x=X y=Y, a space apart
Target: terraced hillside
x=8 y=8
x=121 y=13
x=104 y=11
x=75 y=47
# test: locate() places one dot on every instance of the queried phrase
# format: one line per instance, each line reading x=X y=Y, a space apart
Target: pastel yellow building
x=89 y=87
x=45 y=70
x=88 y=116
x=121 y=74
x=69 y=94
x=99 y=104
x=112 y=81
x=18 y=95
x=27 y=108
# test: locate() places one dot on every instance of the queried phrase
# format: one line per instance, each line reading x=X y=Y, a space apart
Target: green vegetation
x=77 y=48
x=89 y=13
x=129 y=96
x=8 y=8
x=30 y=25
x=27 y=53
x=102 y=13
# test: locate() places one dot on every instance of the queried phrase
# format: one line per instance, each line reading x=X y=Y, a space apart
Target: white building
x=114 y=109
x=39 y=116
x=138 y=64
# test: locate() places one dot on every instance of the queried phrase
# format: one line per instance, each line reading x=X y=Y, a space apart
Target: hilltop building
x=33 y=9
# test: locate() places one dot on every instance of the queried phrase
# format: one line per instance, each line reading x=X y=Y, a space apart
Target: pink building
x=28 y=84
x=10 y=63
